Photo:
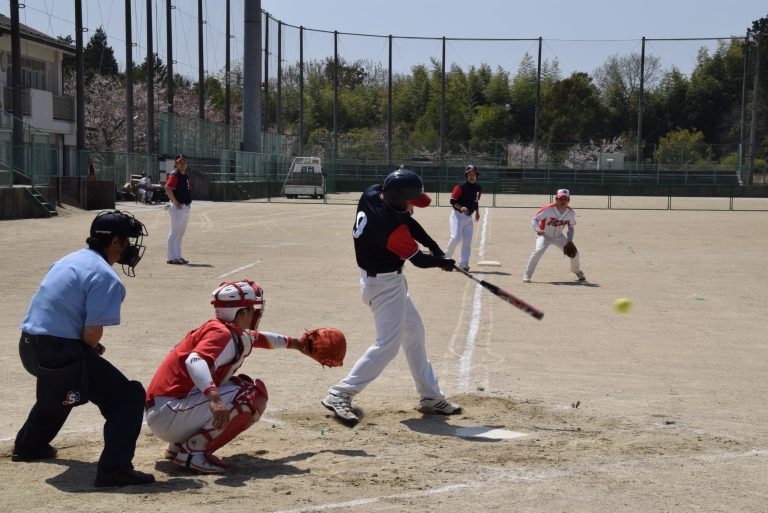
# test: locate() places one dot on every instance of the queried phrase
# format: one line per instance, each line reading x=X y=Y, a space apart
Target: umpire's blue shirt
x=80 y=290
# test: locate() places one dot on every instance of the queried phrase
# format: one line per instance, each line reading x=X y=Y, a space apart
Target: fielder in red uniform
x=548 y=223
x=195 y=402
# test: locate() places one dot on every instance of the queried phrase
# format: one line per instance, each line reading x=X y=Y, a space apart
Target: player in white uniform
x=548 y=223
x=145 y=193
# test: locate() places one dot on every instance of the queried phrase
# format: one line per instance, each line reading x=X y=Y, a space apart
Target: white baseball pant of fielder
x=542 y=243
x=179 y=222
x=462 y=229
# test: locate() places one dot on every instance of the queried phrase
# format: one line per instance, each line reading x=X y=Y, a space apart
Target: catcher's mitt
x=570 y=250
x=325 y=345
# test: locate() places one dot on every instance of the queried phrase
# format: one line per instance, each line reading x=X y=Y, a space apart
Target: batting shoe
x=581 y=276
x=439 y=406
x=526 y=278
x=199 y=461
x=341 y=406
x=465 y=267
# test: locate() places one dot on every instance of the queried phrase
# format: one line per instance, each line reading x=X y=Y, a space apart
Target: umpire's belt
x=382 y=275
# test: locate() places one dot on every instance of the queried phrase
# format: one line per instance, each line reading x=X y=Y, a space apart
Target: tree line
x=699 y=116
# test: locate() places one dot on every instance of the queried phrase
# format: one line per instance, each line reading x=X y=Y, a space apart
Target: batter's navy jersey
x=382 y=238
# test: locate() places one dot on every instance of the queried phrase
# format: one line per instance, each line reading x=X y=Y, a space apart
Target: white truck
x=305 y=178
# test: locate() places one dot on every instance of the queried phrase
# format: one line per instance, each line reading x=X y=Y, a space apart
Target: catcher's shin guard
x=247 y=406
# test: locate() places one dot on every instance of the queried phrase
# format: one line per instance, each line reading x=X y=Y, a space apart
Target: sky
x=579 y=35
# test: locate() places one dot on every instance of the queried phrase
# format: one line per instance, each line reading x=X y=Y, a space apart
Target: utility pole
x=755 y=101
x=252 y=77
x=128 y=79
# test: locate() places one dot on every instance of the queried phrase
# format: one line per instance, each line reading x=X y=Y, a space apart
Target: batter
x=385 y=235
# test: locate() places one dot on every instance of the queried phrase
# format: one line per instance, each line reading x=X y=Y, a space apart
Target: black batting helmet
x=403 y=187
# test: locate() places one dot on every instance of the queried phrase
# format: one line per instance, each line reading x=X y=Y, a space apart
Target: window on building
x=33 y=74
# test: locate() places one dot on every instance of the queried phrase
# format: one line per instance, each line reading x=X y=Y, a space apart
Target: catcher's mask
x=114 y=223
x=402 y=188
x=230 y=297
x=470 y=168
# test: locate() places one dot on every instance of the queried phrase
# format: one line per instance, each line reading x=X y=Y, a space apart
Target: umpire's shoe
x=44 y=453
x=122 y=476
x=341 y=406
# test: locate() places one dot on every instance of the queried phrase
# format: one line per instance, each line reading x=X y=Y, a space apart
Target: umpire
x=60 y=345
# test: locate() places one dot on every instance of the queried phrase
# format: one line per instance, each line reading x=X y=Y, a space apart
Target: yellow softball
x=622 y=305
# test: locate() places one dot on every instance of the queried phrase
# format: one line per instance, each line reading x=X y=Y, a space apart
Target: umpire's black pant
x=120 y=401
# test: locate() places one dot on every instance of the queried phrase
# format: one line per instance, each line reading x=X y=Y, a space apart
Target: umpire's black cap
x=114 y=223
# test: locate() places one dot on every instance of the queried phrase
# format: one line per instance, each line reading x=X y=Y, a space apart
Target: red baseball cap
x=563 y=193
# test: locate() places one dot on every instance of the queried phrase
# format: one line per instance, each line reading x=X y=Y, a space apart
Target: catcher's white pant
x=542 y=243
x=179 y=222
x=175 y=420
x=397 y=323
x=462 y=228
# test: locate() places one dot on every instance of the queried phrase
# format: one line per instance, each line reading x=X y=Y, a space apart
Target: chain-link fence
x=30 y=163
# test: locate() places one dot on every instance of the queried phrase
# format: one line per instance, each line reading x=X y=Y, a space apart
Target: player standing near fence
x=177 y=187
x=548 y=223
x=465 y=200
x=385 y=235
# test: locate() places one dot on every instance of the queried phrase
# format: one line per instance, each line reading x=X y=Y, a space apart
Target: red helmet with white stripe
x=232 y=296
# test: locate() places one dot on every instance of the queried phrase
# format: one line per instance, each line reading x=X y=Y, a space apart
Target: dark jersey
x=467 y=195
x=179 y=183
x=382 y=236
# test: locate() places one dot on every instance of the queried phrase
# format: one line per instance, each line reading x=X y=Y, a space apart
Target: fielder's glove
x=570 y=249
x=325 y=345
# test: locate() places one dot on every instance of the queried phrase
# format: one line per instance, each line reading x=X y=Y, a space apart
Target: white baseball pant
x=175 y=420
x=179 y=222
x=398 y=323
x=542 y=243
x=462 y=229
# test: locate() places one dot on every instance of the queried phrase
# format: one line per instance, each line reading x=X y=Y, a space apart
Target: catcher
x=548 y=223
x=196 y=402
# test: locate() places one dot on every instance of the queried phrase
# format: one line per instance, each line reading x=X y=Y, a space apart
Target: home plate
x=490 y=263
x=486 y=432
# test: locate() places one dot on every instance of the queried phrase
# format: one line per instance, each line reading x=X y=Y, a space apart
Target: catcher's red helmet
x=231 y=296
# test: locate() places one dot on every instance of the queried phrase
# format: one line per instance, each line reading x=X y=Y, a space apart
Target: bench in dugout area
x=132 y=190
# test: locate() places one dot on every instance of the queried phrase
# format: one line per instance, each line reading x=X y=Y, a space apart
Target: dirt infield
x=660 y=409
